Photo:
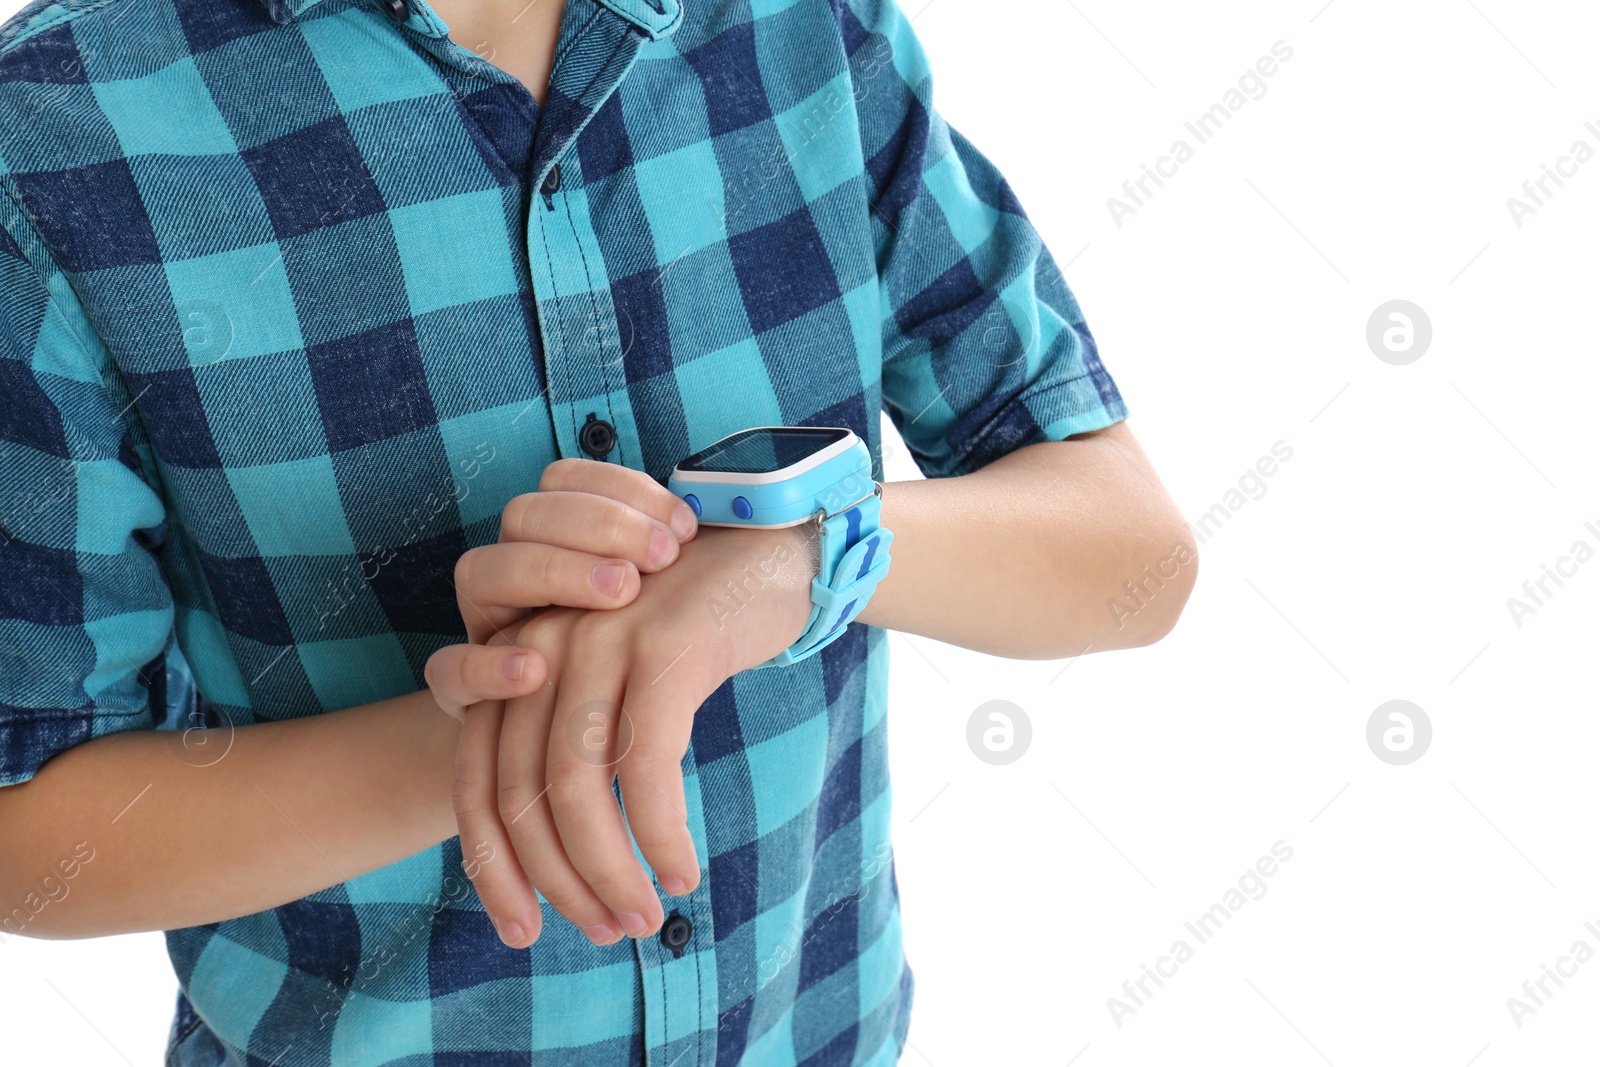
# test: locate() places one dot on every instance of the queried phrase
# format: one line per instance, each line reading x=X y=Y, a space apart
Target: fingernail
x=662 y=546
x=510 y=933
x=684 y=521
x=608 y=577
x=674 y=885
x=633 y=923
x=600 y=933
x=513 y=666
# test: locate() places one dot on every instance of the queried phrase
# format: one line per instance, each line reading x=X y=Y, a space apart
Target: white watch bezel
x=811 y=462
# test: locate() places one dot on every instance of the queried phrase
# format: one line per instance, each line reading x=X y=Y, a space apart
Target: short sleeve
x=984 y=347
x=85 y=612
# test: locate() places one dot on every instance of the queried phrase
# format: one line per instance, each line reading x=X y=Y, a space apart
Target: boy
x=302 y=300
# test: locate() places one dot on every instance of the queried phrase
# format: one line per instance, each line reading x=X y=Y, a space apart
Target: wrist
x=804 y=554
x=764 y=603
x=432 y=736
x=808 y=546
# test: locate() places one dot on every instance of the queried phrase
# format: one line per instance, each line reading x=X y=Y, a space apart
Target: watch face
x=765 y=450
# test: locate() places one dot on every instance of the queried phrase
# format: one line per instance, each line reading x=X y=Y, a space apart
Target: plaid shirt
x=295 y=297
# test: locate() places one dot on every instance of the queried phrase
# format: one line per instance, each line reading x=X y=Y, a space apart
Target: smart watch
x=771 y=477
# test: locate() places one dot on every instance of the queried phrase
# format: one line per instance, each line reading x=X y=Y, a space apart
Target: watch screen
x=764 y=450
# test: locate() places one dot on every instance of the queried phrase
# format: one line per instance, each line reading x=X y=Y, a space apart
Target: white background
x=1232 y=309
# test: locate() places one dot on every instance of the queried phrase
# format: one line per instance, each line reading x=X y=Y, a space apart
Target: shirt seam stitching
x=90 y=711
x=571 y=42
x=572 y=412
x=41 y=24
x=132 y=419
x=544 y=341
x=661 y=977
x=583 y=94
x=989 y=428
x=699 y=995
x=594 y=309
x=182 y=1037
x=639 y=24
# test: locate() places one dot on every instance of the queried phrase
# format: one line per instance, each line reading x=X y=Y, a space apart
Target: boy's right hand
x=581 y=541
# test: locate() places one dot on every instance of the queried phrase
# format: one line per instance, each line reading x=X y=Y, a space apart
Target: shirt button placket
x=578 y=327
x=680 y=988
x=678 y=967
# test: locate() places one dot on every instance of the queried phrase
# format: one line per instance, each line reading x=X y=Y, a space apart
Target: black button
x=675 y=933
x=552 y=181
x=597 y=436
x=399 y=10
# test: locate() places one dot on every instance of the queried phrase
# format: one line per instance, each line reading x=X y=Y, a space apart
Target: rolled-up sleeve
x=85 y=612
x=984 y=347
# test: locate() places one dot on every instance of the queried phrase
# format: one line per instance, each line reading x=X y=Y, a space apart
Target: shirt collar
x=654 y=18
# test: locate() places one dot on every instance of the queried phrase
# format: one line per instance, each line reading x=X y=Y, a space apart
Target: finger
x=486 y=850
x=633 y=487
x=525 y=813
x=497 y=584
x=462 y=675
x=589 y=522
x=587 y=736
x=661 y=704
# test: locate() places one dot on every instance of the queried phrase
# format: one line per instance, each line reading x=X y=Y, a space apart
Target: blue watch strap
x=854 y=557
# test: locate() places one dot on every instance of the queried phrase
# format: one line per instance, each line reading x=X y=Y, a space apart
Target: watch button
x=693 y=502
x=742 y=508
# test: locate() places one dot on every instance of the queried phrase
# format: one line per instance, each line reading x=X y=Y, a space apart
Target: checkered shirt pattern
x=294 y=297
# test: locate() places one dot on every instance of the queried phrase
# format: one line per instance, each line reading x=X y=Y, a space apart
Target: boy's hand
x=582 y=541
x=623 y=687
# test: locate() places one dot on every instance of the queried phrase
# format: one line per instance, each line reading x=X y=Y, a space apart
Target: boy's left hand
x=623 y=688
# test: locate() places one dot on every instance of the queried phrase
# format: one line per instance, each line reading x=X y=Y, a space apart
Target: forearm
x=1028 y=557
x=177 y=840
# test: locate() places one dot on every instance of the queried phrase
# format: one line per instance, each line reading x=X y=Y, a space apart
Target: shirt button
x=675 y=933
x=597 y=436
x=552 y=181
x=399 y=10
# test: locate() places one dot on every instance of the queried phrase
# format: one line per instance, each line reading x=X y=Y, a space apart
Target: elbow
x=1182 y=561
x=1149 y=604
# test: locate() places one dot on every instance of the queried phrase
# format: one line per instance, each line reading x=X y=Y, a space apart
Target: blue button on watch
x=770 y=477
